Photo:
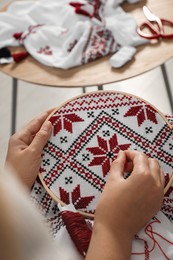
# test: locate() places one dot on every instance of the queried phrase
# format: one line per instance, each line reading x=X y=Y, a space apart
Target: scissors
x=155 y=26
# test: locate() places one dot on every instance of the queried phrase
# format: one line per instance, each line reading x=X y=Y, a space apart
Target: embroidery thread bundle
x=78 y=230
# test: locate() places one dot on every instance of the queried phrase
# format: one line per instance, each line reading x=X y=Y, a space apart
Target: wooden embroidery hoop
x=54 y=197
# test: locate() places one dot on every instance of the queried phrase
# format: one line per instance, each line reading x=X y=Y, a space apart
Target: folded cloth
x=66 y=34
x=63 y=48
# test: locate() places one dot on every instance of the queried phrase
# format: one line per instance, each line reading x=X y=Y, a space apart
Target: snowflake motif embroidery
x=142 y=113
x=46 y=50
x=106 y=152
x=75 y=197
x=64 y=122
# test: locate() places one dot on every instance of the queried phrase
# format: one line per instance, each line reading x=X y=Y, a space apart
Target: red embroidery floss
x=79 y=10
x=17 y=35
x=19 y=56
x=78 y=230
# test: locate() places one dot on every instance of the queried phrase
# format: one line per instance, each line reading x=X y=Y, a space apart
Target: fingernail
x=47 y=126
x=120 y=154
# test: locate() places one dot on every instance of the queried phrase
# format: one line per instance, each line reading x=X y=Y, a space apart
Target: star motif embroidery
x=64 y=122
x=75 y=197
x=142 y=113
x=106 y=152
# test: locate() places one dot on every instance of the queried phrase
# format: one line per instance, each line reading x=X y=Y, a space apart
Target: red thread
x=153 y=236
x=78 y=230
x=149 y=231
x=76 y=4
x=19 y=56
x=78 y=10
x=17 y=35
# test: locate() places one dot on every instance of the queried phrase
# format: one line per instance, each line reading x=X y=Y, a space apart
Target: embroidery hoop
x=57 y=109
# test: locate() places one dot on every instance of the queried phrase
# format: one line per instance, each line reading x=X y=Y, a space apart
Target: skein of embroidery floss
x=79 y=230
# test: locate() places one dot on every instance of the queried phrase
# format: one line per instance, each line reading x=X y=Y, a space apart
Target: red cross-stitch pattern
x=45 y=50
x=142 y=113
x=76 y=159
x=100 y=43
x=64 y=122
x=105 y=152
x=78 y=201
x=87 y=134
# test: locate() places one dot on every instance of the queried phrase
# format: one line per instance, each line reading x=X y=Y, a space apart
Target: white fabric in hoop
x=103 y=114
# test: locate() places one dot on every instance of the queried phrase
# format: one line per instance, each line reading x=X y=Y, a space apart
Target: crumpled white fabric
x=56 y=36
x=155 y=240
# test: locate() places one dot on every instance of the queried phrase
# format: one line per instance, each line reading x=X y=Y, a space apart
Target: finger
x=139 y=161
x=158 y=171
x=41 y=137
x=117 y=167
x=128 y=166
x=162 y=178
x=155 y=169
x=27 y=133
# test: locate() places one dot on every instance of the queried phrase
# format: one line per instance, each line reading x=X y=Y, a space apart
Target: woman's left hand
x=25 y=149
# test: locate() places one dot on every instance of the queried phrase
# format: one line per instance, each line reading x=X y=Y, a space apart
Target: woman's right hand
x=126 y=205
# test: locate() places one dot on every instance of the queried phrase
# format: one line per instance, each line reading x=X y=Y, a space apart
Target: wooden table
x=99 y=72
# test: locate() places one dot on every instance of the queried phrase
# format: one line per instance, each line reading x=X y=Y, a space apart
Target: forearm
x=107 y=245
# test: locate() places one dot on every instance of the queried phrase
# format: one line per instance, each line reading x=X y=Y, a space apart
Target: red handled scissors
x=155 y=25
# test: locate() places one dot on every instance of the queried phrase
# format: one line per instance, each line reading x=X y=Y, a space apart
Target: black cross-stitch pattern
x=69 y=180
x=46 y=162
x=63 y=139
x=86 y=157
x=149 y=130
x=90 y=114
x=106 y=133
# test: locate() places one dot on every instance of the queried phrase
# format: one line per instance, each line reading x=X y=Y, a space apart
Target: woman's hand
x=125 y=205
x=25 y=149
